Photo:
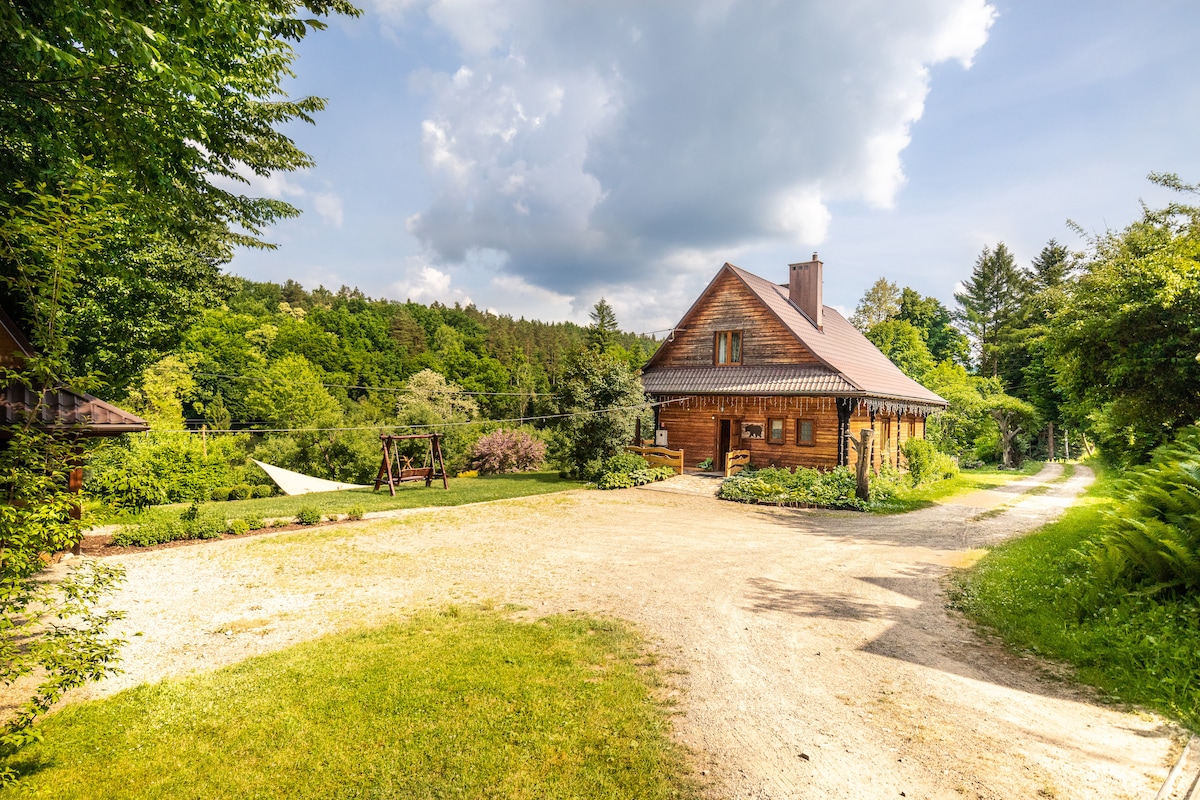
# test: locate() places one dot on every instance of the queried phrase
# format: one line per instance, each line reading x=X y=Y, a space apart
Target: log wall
x=732 y=307
x=693 y=426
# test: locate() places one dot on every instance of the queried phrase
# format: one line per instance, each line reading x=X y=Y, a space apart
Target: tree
x=935 y=323
x=1126 y=344
x=1013 y=417
x=989 y=301
x=900 y=341
x=158 y=107
x=431 y=403
x=602 y=395
x=879 y=303
x=602 y=332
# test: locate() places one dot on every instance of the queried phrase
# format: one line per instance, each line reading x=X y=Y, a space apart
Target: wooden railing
x=660 y=457
x=736 y=461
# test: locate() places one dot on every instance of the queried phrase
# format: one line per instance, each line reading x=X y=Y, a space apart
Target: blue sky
x=530 y=157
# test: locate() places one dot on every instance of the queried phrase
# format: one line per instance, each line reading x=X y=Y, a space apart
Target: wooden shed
x=766 y=367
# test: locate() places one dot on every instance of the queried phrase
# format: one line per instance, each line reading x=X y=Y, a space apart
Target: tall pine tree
x=989 y=303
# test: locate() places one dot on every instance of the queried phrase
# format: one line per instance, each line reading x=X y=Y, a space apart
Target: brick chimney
x=804 y=289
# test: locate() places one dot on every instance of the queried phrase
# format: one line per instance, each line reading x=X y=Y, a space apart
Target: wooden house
x=765 y=367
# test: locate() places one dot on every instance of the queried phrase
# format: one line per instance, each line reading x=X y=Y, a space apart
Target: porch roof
x=795 y=380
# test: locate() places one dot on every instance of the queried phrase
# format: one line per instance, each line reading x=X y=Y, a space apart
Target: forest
x=326 y=373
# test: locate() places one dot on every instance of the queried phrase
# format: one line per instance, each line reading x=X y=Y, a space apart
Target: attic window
x=727 y=347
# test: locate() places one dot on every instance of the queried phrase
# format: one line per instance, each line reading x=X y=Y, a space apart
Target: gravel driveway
x=814 y=655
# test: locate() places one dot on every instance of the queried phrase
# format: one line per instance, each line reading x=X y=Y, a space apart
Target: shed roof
x=838 y=345
x=60 y=410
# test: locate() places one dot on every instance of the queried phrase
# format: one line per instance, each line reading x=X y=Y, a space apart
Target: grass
x=408 y=495
x=1037 y=594
x=447 y=705
x=968 y=480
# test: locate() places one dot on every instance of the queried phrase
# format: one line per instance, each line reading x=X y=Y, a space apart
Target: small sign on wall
x=660 y=437
x=752 y=430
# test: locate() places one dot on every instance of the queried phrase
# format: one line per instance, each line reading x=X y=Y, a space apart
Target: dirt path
x=818 y=658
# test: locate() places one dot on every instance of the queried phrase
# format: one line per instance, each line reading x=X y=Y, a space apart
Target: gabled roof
x=838 y=345
x=59 y=410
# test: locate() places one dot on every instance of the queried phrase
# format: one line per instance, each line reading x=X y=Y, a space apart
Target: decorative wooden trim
x=736 y=461
x=660 y=457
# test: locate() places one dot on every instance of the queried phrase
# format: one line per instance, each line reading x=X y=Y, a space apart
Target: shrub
x=262 y=490
x=240 y=492
x=308 y=516
x=220 y=494
x=355 y=512
x=280 y=523
x=238 y=526
x=208 y=526
x=637 y=477
x=919 y=455
x=148 y=534
x=616 y=480
x=706 y=464
x=624 y=462
x=470 y=473
x=125 y=488
x=806 y=487
x=255 y=523
x=507 y=450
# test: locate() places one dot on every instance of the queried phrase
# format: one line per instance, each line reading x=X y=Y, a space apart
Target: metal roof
x=845 y=352
x=746 y=380
x=59 y=410
x=65 y=411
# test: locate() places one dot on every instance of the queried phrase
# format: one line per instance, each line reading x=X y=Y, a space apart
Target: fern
x=1151 y=540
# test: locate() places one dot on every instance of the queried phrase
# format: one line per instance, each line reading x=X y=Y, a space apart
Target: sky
x=532 y=157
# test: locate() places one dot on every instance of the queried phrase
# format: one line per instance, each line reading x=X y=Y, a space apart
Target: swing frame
x=409 y=473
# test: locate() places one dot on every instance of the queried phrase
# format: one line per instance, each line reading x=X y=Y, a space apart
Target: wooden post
x=75 y=484
x=1067 y=442
x=437 y=451
x=1051 y=445
x=863 y=449
x=637 y=435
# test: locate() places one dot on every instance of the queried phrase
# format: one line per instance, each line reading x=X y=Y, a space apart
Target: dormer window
x=727 y=348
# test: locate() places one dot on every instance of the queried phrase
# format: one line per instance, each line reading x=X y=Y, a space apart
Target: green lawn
x=968 y=480
x=408 y=495
x=1036 y=593
x=447 y=705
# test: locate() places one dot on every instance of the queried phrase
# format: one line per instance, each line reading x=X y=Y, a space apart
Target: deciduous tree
x=1126 y=341
x=880 y=302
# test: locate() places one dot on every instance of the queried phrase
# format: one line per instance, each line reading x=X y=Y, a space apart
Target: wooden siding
x=692 y=425
x=730 y=306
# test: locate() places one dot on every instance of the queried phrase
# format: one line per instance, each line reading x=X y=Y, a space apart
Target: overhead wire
x=401 y=389
x=518 y=420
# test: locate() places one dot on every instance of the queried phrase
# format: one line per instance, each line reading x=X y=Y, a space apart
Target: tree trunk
x=862 y=469
x=1008 y=432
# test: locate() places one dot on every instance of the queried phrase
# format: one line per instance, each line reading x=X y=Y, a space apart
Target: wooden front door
x=725 y=428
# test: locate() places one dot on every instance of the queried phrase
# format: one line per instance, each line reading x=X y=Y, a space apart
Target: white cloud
x=329 y=206
x=592 y=143
x=424 y=283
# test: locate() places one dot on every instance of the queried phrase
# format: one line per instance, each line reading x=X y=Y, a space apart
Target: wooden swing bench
x=393 y=471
